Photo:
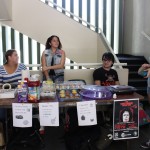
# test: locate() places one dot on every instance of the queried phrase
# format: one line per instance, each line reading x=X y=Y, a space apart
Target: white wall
x=5 y=9
x=136 y=20
x=146 y=43
x=39 y=21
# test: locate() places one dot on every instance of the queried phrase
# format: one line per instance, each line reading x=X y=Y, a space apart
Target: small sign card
x=126 y=119
x=86 y=113
x=49 y=114
x=22 y=115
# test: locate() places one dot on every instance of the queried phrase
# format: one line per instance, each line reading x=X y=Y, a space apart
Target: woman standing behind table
x=10 y=72
x=53 y=60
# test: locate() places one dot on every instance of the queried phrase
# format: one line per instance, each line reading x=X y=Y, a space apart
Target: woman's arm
x=144 y=67
x=1 y=80
x=43 y=61
x=117 y=83
x=97 y=82
x=58 y=66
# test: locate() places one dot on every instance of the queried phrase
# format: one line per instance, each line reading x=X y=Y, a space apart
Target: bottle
x=143 y=73
x=22 y=91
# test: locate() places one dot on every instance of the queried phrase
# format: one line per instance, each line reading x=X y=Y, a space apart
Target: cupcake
x=74 y=92
x=62 y=95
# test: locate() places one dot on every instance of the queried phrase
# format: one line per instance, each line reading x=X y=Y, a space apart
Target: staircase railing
x=72 y=14
x=79 y=64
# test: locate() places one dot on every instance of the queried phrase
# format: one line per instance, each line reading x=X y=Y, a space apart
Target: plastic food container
x=95 y=92
x=69 y=85
x=68 y=95
x=122 y=89
x=48 y=89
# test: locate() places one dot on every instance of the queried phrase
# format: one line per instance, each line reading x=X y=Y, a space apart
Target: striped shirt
x=11 y=78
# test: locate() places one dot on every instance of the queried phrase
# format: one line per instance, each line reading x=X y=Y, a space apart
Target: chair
x=78 y=80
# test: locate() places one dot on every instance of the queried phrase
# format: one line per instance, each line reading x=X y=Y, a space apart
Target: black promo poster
x=126 y=119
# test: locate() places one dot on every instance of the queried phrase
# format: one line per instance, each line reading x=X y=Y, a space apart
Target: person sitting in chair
x=105 y=75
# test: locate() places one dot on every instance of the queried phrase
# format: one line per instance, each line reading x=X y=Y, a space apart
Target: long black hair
x=48 y=46
x=9 y=53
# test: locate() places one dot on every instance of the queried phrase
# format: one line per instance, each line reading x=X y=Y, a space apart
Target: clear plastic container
x=48 y=89
x=33 y=91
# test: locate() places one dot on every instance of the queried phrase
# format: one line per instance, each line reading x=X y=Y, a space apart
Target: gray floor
x=54 y=140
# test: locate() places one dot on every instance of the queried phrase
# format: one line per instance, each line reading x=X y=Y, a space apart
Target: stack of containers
x=29 y=89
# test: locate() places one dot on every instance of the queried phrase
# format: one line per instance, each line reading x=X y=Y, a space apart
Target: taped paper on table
x=49 y=114
x=86 y=113
x=22 y=115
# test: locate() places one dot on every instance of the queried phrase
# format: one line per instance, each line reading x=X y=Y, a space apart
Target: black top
x=52 y=70
x=105 y=77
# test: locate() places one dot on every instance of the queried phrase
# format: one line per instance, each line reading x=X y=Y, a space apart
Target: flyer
x=22 y=115
x=86 y=113
x=126 y=119
x=49 y=114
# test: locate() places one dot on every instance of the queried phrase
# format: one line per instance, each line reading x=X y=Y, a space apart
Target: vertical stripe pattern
x=104 y=14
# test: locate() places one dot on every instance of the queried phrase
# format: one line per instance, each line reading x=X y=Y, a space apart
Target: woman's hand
x=45 y=68
x=148 y=74
x=146 y=66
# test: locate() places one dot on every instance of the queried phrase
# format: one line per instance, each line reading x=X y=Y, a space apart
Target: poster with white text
x=126 y=119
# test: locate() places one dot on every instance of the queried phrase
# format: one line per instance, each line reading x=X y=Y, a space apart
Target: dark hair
x=9 y=53
x=108 y=56
x=121 y=114
x=48 y=46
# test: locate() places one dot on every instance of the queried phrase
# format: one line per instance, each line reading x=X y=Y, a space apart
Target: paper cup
x=25 y=74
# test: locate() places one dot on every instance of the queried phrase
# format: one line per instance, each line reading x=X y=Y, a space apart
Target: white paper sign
x=86 y=113
x=49 y=114
x=22 y=115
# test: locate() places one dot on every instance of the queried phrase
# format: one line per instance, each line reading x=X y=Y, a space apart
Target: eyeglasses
x=107 y=60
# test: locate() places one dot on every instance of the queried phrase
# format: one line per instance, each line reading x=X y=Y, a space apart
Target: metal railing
x=72 y=14
x=79 y=64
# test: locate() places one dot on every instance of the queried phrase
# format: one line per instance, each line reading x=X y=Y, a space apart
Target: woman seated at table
x=105 y=75
x=10 y=72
